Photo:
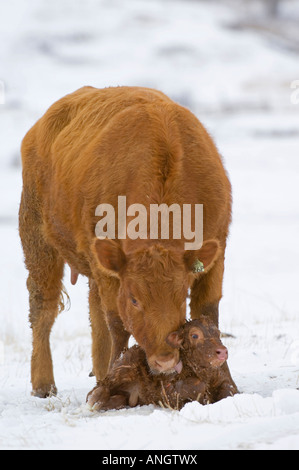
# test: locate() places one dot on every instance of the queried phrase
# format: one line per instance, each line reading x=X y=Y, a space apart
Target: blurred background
x=233 y=63
x=220 y=58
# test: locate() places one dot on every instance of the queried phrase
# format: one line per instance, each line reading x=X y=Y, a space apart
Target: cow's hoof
x=45 y=391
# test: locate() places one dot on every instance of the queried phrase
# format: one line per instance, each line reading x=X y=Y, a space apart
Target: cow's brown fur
x=131 y=383
x=88 y=148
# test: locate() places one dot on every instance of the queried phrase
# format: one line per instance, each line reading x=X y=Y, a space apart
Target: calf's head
x=154 y=283
x=200 y=343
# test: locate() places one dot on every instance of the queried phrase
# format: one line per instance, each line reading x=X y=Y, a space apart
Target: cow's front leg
x=206 y=293
x=101 y=338
x=119 y=336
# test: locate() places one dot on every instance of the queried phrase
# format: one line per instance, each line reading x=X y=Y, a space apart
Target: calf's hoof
x=45 y=391
x=97 y=395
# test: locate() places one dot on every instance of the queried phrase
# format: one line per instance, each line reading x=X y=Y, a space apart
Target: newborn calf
x=198 y=376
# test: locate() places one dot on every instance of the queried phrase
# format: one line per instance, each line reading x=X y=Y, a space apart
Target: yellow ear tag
x=198 y=267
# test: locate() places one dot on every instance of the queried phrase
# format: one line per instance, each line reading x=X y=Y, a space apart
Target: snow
x=238 y=83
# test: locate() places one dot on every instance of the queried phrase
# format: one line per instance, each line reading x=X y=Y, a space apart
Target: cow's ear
x=175 y=339
x=200 y=261
x=110 y=255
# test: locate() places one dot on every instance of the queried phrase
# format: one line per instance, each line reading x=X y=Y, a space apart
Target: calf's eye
x=195 y=336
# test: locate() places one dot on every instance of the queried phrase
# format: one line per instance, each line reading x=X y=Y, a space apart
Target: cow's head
x=154 y=284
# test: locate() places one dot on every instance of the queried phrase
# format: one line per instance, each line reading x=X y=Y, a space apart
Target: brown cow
x=90 y=147
x=131 y=383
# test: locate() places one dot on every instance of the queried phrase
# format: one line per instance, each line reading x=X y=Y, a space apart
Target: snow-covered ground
x=239 y=84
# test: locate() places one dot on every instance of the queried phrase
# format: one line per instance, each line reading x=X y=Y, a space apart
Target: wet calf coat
x=131 y=383
x=89 y=148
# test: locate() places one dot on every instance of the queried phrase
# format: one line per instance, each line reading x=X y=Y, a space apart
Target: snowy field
x=238 y=82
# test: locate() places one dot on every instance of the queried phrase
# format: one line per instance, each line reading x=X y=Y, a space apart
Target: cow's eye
x=195 y=336
x=134 y=301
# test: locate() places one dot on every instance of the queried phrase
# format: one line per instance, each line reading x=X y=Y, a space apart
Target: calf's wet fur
x=202 y=373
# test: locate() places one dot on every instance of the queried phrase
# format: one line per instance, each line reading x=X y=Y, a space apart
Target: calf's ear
x=198 y=261
x=110 y=255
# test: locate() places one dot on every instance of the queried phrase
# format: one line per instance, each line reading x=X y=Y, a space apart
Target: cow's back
x=94 y=145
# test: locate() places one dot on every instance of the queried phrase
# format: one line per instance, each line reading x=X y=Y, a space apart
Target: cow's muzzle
x=165 y=363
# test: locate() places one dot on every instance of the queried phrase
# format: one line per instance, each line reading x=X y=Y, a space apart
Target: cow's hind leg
x=44 y=284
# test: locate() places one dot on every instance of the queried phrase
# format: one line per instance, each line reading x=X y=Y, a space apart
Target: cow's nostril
x=165 y=365
x=222 y=354
x=163 y=362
